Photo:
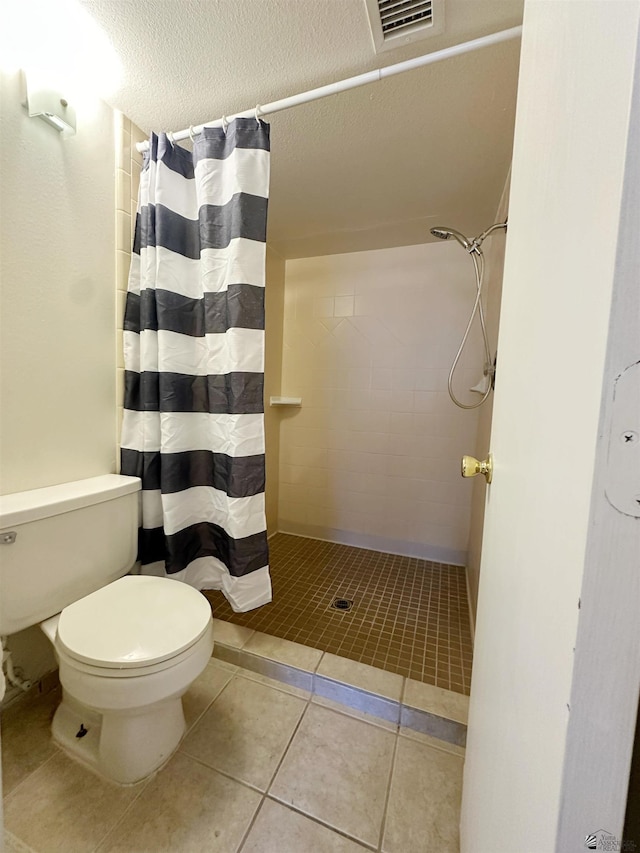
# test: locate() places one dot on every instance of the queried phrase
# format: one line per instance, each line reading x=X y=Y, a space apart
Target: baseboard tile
x=398 y=713
x=370 y=542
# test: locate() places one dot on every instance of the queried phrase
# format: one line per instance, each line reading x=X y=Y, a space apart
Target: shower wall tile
x=119 y=418
x=123 y=260
x=123 y=152
x=273 y=415
x=119 y=386
x=127 y=180
x=123 y=184
x=119 y=348
x=121 y=298
x=375 y=448
x=123 y=230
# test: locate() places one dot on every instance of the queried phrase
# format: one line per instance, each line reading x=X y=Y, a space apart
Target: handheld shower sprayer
x=472 y=246
x=446 y=233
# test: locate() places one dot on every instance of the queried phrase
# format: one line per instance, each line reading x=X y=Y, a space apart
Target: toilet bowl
x=128 y=646
x=127 y=653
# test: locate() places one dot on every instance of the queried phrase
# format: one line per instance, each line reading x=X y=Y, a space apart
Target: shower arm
x=478 y=241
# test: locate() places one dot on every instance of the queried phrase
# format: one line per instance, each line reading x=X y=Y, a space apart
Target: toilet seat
x=71 y=663
x=135 y=625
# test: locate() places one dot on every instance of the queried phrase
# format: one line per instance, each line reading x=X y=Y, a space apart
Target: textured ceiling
x=370 y=168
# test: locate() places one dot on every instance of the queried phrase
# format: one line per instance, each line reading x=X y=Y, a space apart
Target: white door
x=572 y=125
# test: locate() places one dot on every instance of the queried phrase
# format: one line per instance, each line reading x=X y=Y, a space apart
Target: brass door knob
x=472 y=466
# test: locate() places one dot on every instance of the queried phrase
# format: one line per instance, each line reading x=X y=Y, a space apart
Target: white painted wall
x=606 y=674
x=57 y=304
x=571 y=130
x=373 y=456
x=494 y=250
x=57 y=308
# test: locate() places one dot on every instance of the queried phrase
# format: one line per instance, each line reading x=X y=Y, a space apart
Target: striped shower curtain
x=193 y=427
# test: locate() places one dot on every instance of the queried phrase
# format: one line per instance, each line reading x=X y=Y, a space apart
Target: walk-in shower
x=472 y=246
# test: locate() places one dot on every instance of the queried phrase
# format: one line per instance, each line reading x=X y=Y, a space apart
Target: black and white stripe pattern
x=193 y=427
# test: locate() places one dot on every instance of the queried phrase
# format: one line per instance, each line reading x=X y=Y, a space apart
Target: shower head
x=471 y=245
x=445 y=233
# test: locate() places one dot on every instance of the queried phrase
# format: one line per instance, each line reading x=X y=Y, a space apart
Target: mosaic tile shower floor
x=409 y=616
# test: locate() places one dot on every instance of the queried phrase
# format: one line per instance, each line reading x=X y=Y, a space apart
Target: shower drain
x=342 y=604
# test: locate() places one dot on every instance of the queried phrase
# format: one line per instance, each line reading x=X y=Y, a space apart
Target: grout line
x=321 y=822
x=144 y=783
x=224 y=773
x=195 y=722
x=243 y=840
x=275 y=773
x=17 y=844
x=10 y=794
x=388 y=794
x=286 y=749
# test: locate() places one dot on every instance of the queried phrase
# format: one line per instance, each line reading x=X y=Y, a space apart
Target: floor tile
x=205 y=689
x=279 y=830
x=14 y=845
x=231 y=635
x=361 y=675
x=424 y=802
x=64 y=807
x=245 y=731
x=187 y=808
x=444 y=703
x=284 y=651
x=409 y=616
x=26 y=736
x=337 y=770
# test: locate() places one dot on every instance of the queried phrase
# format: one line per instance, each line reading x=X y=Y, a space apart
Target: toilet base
x=124 y=746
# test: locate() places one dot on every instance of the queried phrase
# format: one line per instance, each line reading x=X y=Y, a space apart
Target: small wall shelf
x=285 y=401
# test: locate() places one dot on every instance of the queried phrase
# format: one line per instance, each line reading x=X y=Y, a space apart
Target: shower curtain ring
x=225 y=124
x=257 y=114
x=191 y=133
x=171 y=139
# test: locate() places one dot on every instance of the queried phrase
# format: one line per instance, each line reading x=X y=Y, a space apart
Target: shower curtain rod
x=351 y=82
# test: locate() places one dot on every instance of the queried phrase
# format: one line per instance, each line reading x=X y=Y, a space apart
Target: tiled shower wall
x=128 y=163
x=372 y=458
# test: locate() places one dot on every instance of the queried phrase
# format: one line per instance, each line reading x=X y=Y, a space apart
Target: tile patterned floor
x=409 y=616
x=264 y=768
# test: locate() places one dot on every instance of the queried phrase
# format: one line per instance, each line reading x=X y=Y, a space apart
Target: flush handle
x=8 y=538
x=472 y=466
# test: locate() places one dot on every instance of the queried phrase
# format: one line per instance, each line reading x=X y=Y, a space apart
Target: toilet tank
x=61 y=543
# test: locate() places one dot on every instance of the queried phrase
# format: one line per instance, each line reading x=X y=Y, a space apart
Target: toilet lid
x=135 y=621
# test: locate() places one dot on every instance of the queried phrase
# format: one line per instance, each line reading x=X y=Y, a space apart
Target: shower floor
x=409 y=616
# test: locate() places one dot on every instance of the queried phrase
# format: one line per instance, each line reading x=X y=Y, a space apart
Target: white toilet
x=128 y=647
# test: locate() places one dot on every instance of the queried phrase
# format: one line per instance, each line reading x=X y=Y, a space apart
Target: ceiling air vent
x=395 y=23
